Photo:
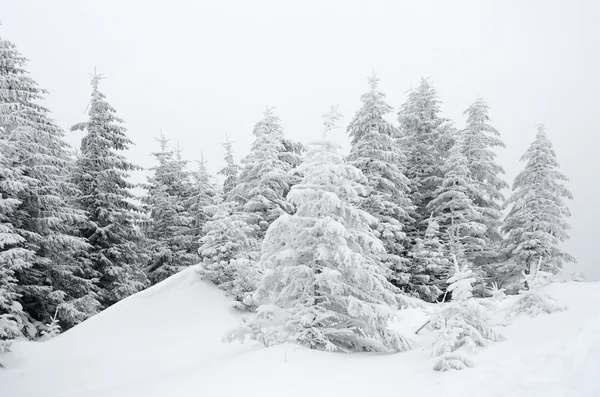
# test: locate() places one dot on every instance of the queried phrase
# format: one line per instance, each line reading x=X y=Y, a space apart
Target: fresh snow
x=166 y=341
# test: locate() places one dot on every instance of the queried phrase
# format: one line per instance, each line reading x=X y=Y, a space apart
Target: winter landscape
x=390 y=252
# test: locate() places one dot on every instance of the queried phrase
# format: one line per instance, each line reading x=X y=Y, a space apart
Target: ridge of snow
x=167 y=341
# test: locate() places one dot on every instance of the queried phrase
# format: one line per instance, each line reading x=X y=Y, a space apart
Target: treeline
x=305 y=230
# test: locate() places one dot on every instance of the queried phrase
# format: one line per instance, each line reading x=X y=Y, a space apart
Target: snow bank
x=166 y=341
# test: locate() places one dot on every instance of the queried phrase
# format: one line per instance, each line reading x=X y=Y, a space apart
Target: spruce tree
x=375 y=151
x=203 y=194
x=460 y=219
x=231 y=170
x=536 y=224
x=265 y=180
x=480 y=139
x=229 y=249
x=430 y=267
x=323 y=286
x=426 y=141
x=371 y=115
x=461 y=325
x=173 y=242
x=231 y=245
x=531 y=300
x=102 y=176
x=14 y=256
x=52 y=272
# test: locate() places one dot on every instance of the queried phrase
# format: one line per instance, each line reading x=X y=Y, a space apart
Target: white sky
x=198 y=69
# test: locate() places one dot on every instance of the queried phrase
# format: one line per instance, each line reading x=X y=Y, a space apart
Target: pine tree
x=460 y=219
x=323 y=286
x=203 y=194
x=13 y=255
x=231 y=169
x=375 y=151
x=532 y=301
x=170 y=229
x=371 y=115
x=265 y=180
x=430 y=266
x=101 y=175
x=52 y=328
x=426 y=143
x=229 y=250
x=47 y=259
x=480 y=139
x=536 y=224
x=257 y=199
x=462 y=325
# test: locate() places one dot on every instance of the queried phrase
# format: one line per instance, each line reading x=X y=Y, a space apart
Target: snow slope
x=166 y=341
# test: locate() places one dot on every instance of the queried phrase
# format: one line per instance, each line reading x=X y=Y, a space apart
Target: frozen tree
x=455 y=211
x=371 y=115
x=231 y=169
x=52 y=328
x=265 y=180
x=532 y=301
x=247 y=274
x=426 y=141
x=14 y=322
x=257 y=199
x=41 y=248
x=102 y=176
x=323 y=286
x=375 y=151
x=461 y=325
x=497 y=292
x=430 y=267
x=479 y=140
x=14 y=254
x=173 y=244
x=223 y=240
x=536 y=223
x=229 y=249
x=203 y=194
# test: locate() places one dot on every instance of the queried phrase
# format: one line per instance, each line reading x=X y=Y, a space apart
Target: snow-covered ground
x=166 y=341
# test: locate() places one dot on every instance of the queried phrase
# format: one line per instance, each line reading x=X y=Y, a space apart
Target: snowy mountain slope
x=166 y=341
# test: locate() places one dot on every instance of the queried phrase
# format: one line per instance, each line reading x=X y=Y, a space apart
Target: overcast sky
x=199 y=69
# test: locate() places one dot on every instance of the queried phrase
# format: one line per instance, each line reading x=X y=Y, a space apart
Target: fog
x=200 y=69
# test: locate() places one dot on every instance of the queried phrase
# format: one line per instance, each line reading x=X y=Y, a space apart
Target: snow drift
x=166 y=341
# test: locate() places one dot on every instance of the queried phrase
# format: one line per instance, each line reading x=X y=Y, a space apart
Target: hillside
x=166 y=341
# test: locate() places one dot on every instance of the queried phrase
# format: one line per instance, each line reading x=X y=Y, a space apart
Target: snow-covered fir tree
x=173 y=244
x=372 y=113
x=323 y=285
x=376 y=152
x=430 y=266
x=480 y=139
x=229 y=250
x=257 y=199
x=203 y=194
x=227 y=234
x=536 y=224
x=461 y=325
x=231 y=170
x=460 y=219
x=426 y=141
x=47 y=258
x=497 y=293
x=52 y=328
x=13 y=255
x=532 y=301
x=265 y=180
x=102 y=176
